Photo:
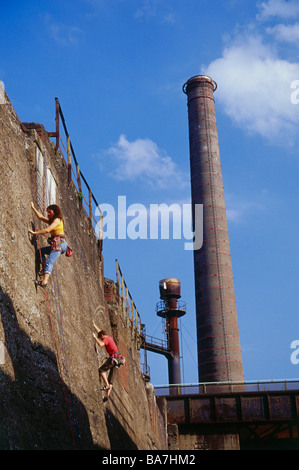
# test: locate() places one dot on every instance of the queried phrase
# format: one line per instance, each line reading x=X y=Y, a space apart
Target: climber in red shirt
x=103 y=339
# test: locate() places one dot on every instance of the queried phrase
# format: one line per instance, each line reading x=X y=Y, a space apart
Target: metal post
x=69 y=160
x=80 y=195
x=57 y=123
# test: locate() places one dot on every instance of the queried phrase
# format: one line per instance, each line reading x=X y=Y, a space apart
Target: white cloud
x=149 y=9
x=62 y=33
x=66 y=35
x=285 y=33
x=254 y=88
x=238 y=209
x=278 y=8
x=143 y=159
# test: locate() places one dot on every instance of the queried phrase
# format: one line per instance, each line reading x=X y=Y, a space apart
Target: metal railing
x=156 y=342
x=227 y=387
x=86 y=198
x=131 y=315
x=162 y=306
x=145 y=369
x=89 y=204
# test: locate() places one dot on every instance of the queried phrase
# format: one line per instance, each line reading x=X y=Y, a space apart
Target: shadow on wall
x=37 y=409
x=118 y=436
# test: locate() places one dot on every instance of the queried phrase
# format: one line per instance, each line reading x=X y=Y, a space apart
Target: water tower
x=171 y=308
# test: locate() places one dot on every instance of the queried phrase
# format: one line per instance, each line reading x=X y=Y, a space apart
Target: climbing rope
x=56 y=348
x=59 y=319
x=56 y=295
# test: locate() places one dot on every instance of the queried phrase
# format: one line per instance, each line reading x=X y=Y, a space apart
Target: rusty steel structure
x=219 y=351
x=261 y=415
x=171 y=309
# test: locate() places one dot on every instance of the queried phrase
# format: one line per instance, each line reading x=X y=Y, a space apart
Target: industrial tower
x=171 y=309
x=219 y=351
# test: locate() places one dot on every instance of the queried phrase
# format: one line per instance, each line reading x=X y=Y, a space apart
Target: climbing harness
x=118 y=359
x=55 y=243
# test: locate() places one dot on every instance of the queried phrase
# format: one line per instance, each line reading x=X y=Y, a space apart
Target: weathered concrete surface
x=50 y=395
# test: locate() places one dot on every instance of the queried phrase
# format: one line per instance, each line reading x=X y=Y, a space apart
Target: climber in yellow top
x=58 y=244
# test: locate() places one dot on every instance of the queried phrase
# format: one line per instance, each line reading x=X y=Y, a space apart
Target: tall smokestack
x=219 y=351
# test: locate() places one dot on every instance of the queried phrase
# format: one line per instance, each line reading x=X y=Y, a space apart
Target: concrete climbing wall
x=50 y=395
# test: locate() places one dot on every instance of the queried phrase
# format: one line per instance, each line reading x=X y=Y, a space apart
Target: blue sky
x=118 y=67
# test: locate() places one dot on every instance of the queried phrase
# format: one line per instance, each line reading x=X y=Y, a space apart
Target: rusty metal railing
x=131 y=315
x=86 y=198
x=228 y=387
x=87 y=201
